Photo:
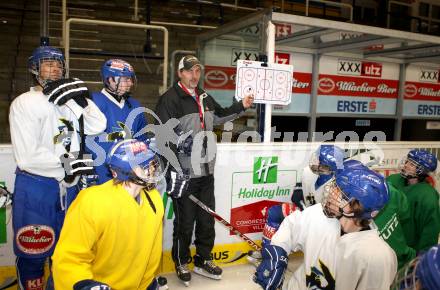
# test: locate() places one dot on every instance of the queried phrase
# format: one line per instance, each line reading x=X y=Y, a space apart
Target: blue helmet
x=354 y=164
x=327 y=159
x=45 y=53
x=366 y=186
x=428 y=271
x=424 y=269
x=425 y=161
x=114 y=68
x=126 y=155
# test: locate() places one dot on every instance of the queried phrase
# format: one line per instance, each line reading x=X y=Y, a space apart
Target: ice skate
x=162 y=283
x=207 y=268
x=254 y=257
x=183 y=274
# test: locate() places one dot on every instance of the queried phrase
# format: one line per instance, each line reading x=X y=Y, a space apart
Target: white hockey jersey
x=41 y=131
x=360 y=260
x=308 y=180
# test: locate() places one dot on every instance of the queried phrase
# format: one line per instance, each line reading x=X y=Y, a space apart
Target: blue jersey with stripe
x=122 y=121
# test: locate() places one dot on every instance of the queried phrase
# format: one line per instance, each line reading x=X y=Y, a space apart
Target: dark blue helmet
x=127 y=155
x=354 y=164
x=424 y=159
x=114 y=68
x=428 y=271
x=366 y=186
x=424 y=269
x=43 y=53
x=327 y=159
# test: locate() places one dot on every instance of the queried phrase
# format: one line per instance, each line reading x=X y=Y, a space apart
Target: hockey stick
x=9 y=282
x=225 y=223
x=82 y=182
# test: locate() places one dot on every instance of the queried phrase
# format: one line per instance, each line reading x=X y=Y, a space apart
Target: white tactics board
x=271 y=84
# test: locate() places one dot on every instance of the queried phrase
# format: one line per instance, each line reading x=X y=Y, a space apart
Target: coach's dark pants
x=186 y=214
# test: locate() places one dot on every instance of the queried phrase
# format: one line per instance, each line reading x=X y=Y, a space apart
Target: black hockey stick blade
x=242 y=255
x=9 y=282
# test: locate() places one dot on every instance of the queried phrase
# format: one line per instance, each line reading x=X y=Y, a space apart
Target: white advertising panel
x=422 y=92
x=357 y=86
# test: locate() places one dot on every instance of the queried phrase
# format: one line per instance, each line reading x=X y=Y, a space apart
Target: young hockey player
x=197 y=113
x=422 y=273
x=423 y=227
x=46 y=124
x=323 y=164
x=112 y=236
x=390 y=218
x=116 y=102
x=340 y=250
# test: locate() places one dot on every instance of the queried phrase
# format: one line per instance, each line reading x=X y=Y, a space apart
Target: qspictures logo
x=265 y=170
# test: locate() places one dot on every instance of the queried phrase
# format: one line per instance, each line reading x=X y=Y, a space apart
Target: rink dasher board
x=237 y=186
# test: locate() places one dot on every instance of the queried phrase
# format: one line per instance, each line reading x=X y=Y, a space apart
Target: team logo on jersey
x=118 y=133
x=389 y=227
x=34 y=284
x=139 y=147
x=269 y=231
x=35 y=239
x=64 y=136
x=265 y=169
x=320 y=279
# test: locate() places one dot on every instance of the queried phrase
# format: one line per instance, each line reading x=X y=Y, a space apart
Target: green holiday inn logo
x=264 y=180
x=265 y=170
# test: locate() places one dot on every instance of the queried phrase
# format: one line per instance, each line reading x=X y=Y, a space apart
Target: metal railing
x=214 y=3
x=64 y=20
x=121 y=24
x=416 y=20
x=331 y=3
x=392 y=2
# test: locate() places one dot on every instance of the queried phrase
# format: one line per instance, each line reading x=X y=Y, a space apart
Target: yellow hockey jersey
x=111 y=238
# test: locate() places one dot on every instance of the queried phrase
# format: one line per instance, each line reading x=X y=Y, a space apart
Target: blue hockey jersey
x=120 y=125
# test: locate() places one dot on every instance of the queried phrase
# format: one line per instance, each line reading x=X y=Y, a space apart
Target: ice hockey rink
x=234 y=277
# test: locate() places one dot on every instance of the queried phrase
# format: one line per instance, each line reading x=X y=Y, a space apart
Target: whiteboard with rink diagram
x=271 y=84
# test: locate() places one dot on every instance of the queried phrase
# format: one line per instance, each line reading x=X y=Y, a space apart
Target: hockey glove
x=177 y=184
x=63 y=90
x=74 y=166
x=298 y=199
x=270 y=273
x=90 y=285
x=184 y=141
x=5 y=196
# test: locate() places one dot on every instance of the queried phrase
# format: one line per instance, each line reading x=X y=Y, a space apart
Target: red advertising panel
x=250 y=218
x=357 y=86
x=302 y=83
x=220 y=78
x=283 y=30
x=422 y=91
x=282 y=58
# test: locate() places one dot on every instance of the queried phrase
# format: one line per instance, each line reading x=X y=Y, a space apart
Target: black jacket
x=176 y=103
